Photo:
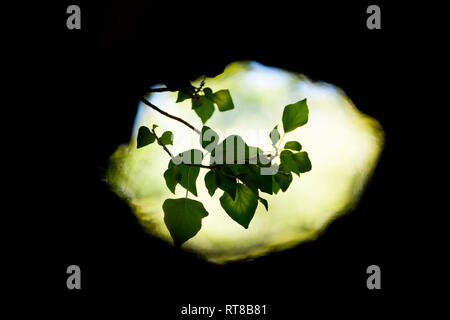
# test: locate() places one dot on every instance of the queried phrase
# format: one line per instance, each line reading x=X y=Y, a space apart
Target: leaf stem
x=187 y=189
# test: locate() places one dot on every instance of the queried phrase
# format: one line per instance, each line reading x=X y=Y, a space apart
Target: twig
x=151 y=105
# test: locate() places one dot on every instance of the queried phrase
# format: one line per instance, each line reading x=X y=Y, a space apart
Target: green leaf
x=295 y=115
x=226 y=181
x=166 y=138
x=283 y=178
x=208 y=94
x=264 y=202
x=274 y=135
x=303 y=162
x=232 y=149
x=145 y=137
x=211 y=182
x=223 y=100
x=183 y=217
x=242 y=208
x=288 y=160
x=173 y=177
x=182 y=96
x=250 y=174
x=293 y=145
x=189 y=174
x=203 y=107
x=187 y=92
x=208 y=138
x=275 y=185
x=155 y=126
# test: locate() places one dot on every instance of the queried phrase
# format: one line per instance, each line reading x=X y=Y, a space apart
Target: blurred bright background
x=343 y=144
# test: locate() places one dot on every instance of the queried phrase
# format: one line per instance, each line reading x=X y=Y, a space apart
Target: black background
x=91 y=80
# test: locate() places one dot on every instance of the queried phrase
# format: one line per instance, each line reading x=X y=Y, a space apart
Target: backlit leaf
x=242 y=208
x=203 y=107
x=293 y=145
x=166 y=138
x=295 y=115
x=183 y=217
x=223 y=100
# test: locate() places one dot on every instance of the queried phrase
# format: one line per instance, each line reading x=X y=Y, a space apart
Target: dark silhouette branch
x=151 y=105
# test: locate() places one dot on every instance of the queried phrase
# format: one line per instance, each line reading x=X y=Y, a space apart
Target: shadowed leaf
x=264 y=202
x=211 y=182
x=189 y=174
x=173 y=177
x=145 y=137
x=283 y=177
x=303 y=162
x=226 y=181
x=242 y=208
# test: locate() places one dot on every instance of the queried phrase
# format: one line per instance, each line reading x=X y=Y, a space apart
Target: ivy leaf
x=183 y=217
x=303 y=162
x=211 y=182
x=145 y=137
x=264 y=202
x=226 y=181
x=283 y=178
x=166 y=138
x=155 y=126
x=274 y=135
x=208 y=138
x=293 y=145
x=242 y=208
x=223 y=100
x=203 y=107
x=295 y=115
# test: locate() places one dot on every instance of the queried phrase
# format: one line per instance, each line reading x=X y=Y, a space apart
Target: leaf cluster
x=242 y=173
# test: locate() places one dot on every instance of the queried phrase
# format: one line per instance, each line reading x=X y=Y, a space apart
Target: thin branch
x=162 y=144
x=151 y=105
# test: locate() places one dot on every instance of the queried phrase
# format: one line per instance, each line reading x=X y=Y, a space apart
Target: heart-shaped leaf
x=145 y=137
x=203 y=107
x=173 y=177
x=242 y=208
x=183 y=217
x=166 y=138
